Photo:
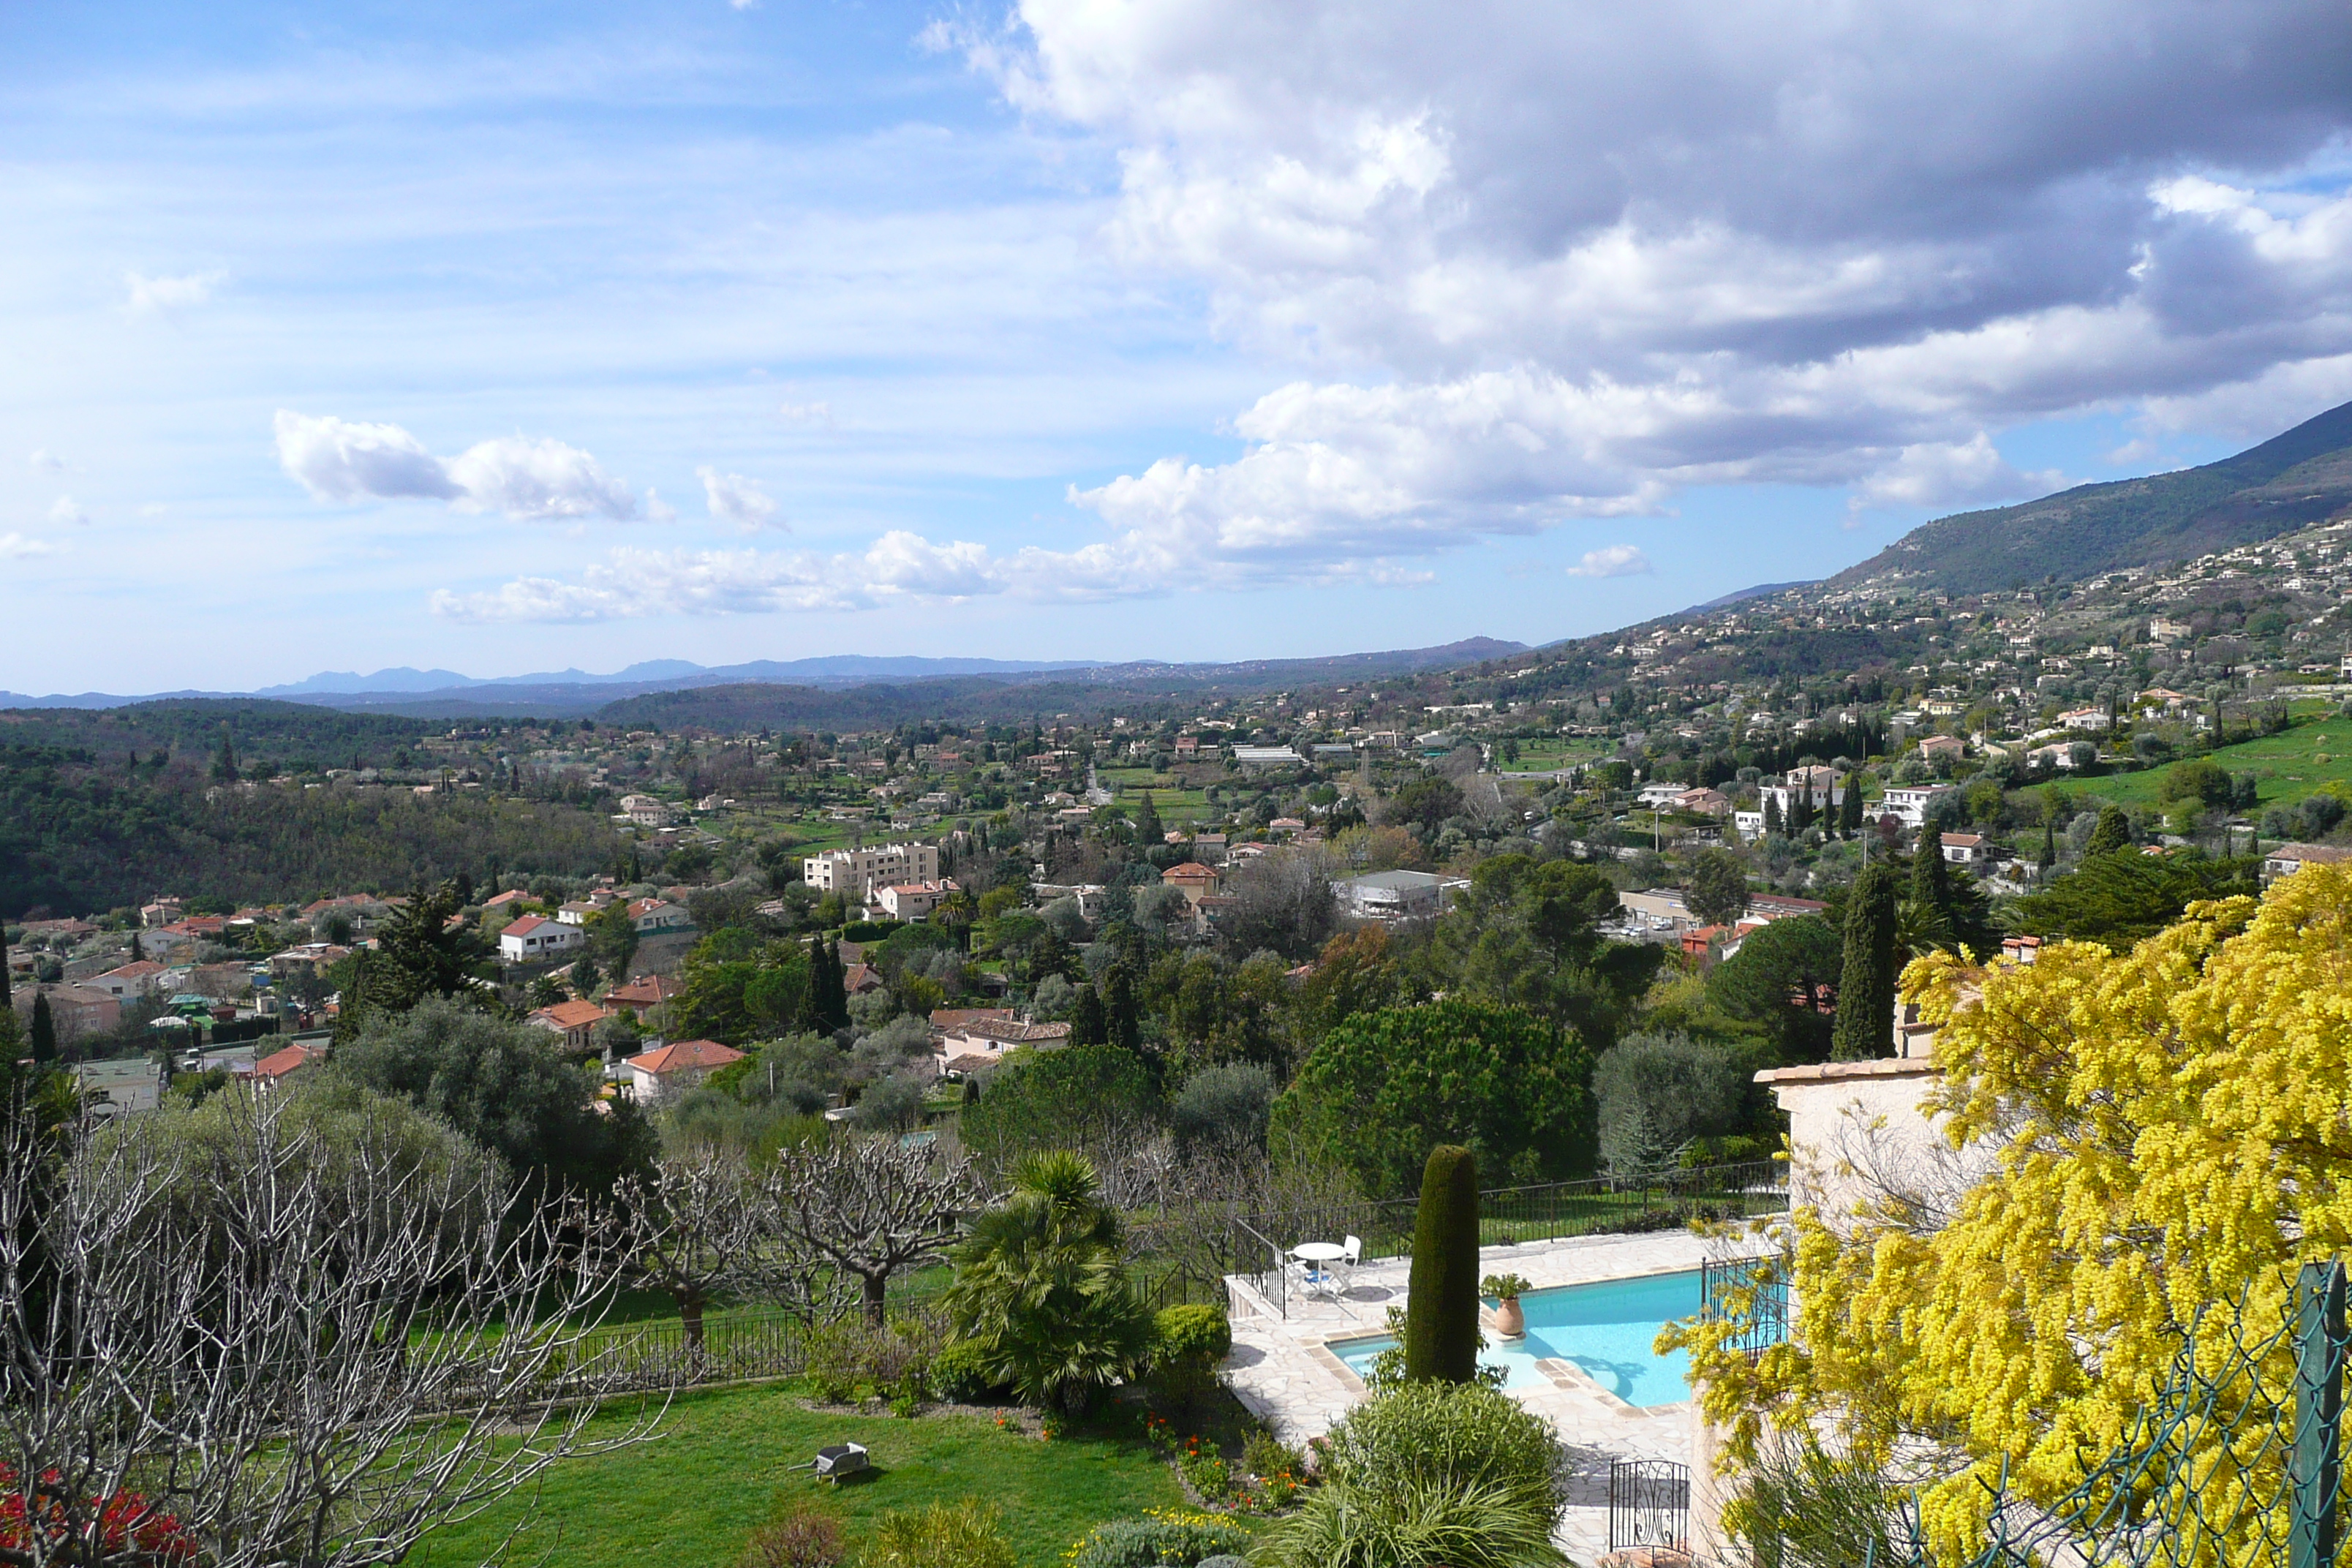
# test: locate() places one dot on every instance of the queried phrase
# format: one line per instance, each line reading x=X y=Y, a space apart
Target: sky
x=503 y=338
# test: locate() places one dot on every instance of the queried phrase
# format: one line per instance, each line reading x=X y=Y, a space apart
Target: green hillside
x=2300 y=477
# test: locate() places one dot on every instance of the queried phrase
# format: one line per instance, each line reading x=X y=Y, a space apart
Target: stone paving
x=1281 y=1370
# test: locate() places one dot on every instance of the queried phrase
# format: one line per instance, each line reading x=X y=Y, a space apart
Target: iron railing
x=1750 y=1293
x=1649 y=1506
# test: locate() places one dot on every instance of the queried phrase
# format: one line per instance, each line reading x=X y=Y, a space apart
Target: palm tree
x=1042 y=1287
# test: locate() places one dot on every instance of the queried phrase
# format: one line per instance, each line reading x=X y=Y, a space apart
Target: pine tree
x=1865 y=1009
x=44 y=1032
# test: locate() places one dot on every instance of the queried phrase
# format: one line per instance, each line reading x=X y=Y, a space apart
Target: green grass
x=2286 y=766
x=689 y=1497
x=1543 y=756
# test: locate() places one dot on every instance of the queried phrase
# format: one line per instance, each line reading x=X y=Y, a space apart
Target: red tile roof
x=570 y=1014
x=686 y=1055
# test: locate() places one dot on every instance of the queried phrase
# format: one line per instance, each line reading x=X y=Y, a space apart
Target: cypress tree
x=1122 y=1019
x=1865 y=1009
x=1441 y=1321
x=834 y=993
x=1772 y=828
x=1931 y=879
x=44 y=1032
x=2112 y=834
x=1850 y=813
x=1087 y=1027
x=2048 y=842
x=1148 y=831
x=812 y=1019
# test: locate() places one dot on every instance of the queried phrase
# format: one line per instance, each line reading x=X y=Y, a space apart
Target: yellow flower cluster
x=2168 y=1129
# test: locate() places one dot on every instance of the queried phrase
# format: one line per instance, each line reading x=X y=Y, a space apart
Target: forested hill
x=2300 y=477
x=283 y=735
x=81 y=834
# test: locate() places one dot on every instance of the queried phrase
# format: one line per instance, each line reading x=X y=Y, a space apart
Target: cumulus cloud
x=20 y=547
x=734 y=498
x=1543 y=262
x=337 y=459
x=68 y=513
x=151 y=296
x=1613 y=561
x=1950 y=474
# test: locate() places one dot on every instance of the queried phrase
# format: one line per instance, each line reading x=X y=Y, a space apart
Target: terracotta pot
x=1509 y=1321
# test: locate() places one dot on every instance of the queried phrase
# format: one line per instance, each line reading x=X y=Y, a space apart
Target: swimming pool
x=1606 y=1329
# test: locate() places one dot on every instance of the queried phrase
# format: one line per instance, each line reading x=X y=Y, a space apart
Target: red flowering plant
x=126 y=1528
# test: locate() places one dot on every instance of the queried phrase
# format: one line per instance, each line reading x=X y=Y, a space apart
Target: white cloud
x=656 y=508
x=337 y=460
x=18 y=547
x=734 y=498
x=1613 y=561
x=68 y=512
x=47 y=462
x=1547 y=262
x=807 y=413
x=151 y=296
x=897 y=568
x=1951 y=474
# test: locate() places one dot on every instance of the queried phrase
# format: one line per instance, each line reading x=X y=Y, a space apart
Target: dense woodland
x=80 y=832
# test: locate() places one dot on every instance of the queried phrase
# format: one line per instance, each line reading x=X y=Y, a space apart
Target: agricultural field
x=690 y=1497
x=2315 y=751
x=1559 y=752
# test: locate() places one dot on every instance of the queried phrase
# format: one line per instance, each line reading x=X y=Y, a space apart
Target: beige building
x=858 y=875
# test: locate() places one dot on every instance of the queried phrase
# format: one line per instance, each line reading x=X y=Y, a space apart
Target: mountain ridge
x=2301 y=476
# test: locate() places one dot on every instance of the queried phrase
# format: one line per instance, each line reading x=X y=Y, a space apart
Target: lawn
x=689 y=1497
x=2286 y=766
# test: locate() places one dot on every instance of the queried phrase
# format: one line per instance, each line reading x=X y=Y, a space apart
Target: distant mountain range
x=572 y=693
x=2288 y=482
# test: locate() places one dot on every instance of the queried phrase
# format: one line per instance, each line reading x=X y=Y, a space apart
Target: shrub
x=1187 y=1344
x=960 y=1375
x=1442 y=1295
x=1222 y=1560
x=944 y=1535
x=798 y=1534
x=1446 y=1436
x=1163 y=1536
x=851 y=1362
x=1223 y=1108
x=1409 y=1526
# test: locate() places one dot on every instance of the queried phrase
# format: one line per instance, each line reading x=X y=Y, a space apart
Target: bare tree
x=300 y=1357
x=872 y=1206
x=693 y=1231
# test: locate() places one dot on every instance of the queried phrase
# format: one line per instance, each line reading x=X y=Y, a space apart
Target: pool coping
x=1562 y=1373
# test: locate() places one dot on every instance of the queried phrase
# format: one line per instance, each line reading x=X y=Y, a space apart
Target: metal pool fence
x=1189 y=1257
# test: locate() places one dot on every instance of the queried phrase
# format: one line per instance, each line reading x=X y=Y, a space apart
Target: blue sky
x=501 y=338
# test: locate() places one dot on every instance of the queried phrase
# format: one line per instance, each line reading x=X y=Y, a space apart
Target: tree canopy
x=1384 y=1089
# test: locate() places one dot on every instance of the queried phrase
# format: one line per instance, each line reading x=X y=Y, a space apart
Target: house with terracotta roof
x=1191 y=878
x=537 y=937
x=984 y=1036
x=2286 y=859
x=279 y=1065
x=861 y=980
x=136 y=978
x=670 y=1068
x=645 y=991
x=575 y=1021
x=652 y=916
x=1968 y=848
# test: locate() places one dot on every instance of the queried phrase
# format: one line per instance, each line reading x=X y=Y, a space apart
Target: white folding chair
x=1353 y=1256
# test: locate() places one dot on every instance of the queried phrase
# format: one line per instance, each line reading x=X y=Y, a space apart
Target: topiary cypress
x=1441 y=1334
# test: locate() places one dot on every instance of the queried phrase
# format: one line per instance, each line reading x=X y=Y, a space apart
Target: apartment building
x=859 y=875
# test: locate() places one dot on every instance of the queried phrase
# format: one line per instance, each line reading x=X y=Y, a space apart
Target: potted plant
x=1506 y=1288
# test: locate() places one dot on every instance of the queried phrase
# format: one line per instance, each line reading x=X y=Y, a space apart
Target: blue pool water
x=1606 y=1329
